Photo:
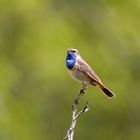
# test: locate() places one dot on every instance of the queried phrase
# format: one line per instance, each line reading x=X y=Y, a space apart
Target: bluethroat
x=83 y=73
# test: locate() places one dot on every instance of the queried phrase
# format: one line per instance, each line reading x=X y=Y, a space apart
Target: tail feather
x=106 y=90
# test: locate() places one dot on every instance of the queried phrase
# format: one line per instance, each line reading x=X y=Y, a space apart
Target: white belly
x=79 y=76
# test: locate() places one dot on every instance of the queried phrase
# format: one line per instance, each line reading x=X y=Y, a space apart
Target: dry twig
x=75 y=116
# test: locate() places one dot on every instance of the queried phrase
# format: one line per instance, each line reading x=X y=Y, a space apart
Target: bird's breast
x=78 y=75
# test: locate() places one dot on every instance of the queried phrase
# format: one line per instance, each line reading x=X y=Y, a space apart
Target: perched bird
x=82 y=72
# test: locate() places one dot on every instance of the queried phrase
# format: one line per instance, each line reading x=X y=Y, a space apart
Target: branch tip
x=75 y=116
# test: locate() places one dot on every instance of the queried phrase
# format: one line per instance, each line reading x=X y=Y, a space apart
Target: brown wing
x=86 y=69
x=95 y=80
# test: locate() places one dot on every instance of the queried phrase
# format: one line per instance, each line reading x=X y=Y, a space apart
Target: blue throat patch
x=70 y=60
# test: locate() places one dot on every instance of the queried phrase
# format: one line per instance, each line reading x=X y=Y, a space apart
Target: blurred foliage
x=36 y=91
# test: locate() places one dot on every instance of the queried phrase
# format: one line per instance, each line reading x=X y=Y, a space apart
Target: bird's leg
x=82 y=90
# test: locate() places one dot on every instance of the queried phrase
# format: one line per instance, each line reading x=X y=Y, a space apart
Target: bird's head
x=72 y=51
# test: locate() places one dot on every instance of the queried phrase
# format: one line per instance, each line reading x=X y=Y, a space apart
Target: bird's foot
x=82 y=91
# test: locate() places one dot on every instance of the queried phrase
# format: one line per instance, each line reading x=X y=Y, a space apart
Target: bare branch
x=70 y=131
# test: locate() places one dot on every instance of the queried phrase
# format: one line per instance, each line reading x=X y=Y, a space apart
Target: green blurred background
x=36 y=91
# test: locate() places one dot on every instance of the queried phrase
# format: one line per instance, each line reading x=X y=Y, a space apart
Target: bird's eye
x=73 y=51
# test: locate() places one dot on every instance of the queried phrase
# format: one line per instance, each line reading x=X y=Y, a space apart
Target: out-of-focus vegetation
x=36 y=91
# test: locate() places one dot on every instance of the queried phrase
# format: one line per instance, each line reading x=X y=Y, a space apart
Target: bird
x=83 y=73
